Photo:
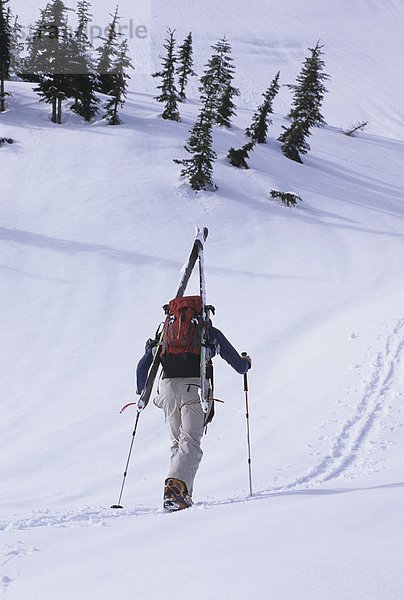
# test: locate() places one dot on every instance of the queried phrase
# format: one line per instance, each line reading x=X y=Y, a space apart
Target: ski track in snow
x=350 y=443
x=12 y=553
x=84 y=517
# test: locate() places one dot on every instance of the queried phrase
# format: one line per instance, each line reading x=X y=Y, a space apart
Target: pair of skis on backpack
x=178 y=335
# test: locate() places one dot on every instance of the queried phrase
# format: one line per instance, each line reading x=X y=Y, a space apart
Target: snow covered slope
x=362 y=39
x=94 y=228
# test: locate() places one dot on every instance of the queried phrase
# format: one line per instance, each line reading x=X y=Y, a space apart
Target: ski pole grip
x=245 y=375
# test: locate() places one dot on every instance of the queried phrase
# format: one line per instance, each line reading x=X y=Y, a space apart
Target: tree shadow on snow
x=28 y=238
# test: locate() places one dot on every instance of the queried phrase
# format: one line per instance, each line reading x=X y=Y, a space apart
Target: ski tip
x=202 y=233
x=116 y=506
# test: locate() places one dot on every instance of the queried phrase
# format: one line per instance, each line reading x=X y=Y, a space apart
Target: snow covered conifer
x=4 y=140
x=309 y=90
x=305 y=113
x=5 y=51
x=217 y=81
x=169 y=93
x=287 y=198
x=85 y=78
x=120 y=83
x=32 y=62
x=226 y=108
x=84 y=17
x=184 y=69
x=237 y=158
x=107 y=55
x=294 y=139
x=199 y=169
x=17 y=45
x=112 y=67
x=51 y=57
x=258 y=129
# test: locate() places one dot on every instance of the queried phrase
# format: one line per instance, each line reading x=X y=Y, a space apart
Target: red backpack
x=182 y=326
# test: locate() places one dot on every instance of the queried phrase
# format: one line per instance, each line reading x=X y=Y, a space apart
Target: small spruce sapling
x=355 y=129
x=4 y=140
x=258 y=130
x=169 y=93
x=237 y=158
x=287 y=198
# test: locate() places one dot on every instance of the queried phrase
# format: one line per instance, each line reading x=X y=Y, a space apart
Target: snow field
x=94 y=229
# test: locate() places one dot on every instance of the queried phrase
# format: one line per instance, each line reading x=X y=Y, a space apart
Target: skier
x=179 y=397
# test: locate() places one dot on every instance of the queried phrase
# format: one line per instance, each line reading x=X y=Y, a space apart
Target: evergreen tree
x=32 y=63
x=217 y=80
x=4 y=140
x=198 y=169
x=85 y=80
x=226 y=108
x=237 y=158
x=112 y=68
x=5 y=51
x=51 y=57
x=310 y=90
x=294 y=139
x=258 y=129
x=184 y=69
x=17 y=45
x=84 y=17
x=120 y=83
x=107 y=55
x=307 y=99
x=169 y=93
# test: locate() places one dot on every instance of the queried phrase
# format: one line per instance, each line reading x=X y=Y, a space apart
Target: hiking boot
x=176 y=495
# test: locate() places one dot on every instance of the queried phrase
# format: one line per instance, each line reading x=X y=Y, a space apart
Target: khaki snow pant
x=179 y=398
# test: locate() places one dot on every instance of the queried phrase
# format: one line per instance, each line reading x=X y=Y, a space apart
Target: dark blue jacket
x=217 y=344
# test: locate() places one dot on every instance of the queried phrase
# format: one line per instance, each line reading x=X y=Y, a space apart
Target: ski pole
x=118 y=505
x=247 y=416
